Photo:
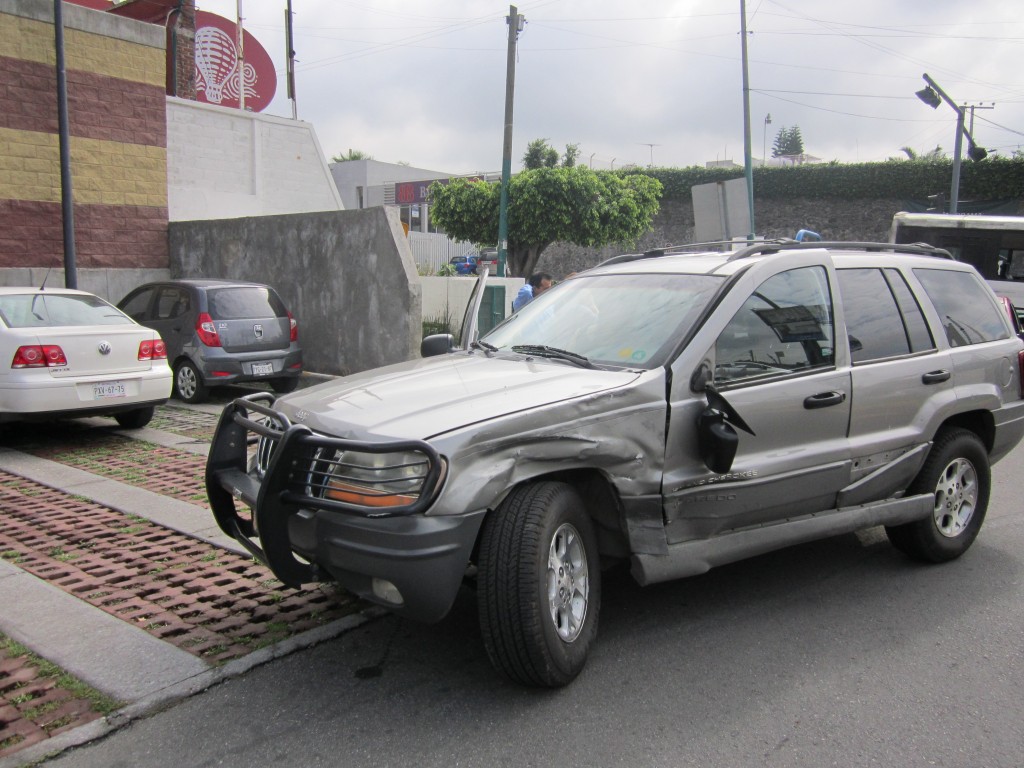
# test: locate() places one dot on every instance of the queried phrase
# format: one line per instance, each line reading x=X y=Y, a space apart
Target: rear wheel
x=285 y=385
x=957 y=473
x=136 y=419
x=539 y=590
x=188 y=383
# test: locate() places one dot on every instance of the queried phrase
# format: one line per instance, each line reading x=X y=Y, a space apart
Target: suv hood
x=423 y=398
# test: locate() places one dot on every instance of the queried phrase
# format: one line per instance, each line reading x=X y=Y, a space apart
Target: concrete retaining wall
x=347 y=276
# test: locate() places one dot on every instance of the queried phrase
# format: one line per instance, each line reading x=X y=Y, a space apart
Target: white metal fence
x=431 y=251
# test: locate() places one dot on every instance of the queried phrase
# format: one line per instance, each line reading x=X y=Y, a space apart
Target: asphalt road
x=838 y=653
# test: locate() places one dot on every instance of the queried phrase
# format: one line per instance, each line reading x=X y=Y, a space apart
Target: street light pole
x=931 y=96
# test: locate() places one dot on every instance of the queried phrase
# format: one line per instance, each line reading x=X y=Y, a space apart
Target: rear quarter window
x=965 y=306
x=245 y=303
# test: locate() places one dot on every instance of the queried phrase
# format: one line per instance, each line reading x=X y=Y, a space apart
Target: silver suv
x=679 y=410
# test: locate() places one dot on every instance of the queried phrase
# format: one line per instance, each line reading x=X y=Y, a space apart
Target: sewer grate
x=210 y=602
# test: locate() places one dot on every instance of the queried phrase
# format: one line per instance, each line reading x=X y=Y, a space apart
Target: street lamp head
x=976 y=153
x=929 y=97
x=768 y=119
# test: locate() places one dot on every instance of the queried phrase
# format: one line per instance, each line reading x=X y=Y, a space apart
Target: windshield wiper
x=483 y=345
x=541 y=350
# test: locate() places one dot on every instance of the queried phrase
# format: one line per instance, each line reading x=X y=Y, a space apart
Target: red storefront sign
x=217 y=65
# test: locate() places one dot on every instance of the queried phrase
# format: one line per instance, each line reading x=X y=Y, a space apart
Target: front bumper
x=400 y=558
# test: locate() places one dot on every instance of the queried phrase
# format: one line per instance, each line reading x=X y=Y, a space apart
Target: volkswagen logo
x=258 y=330
x=104 y=347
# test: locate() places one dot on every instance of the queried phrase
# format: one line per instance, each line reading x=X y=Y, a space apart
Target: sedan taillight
x=207 y=331
x=293 y=328
x=39 y=356
x=154 y=349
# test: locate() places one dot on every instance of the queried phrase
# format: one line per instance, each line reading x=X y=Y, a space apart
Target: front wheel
x=539 y=590
x=957 y=473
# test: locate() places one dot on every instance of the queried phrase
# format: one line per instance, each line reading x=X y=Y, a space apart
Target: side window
x=784 y=327
x=873 y=320
x=172 y=302
x=913 y=318
x=136 y=308
x=965 y=306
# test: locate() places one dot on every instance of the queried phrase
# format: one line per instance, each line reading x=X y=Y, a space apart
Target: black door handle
x=824 y=400
x=936 y=377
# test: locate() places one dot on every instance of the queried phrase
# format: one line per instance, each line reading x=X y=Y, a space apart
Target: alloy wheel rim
x=186 y=381
x=568 y=582
x=956 y=497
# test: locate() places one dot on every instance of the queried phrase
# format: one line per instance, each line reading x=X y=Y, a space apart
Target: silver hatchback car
x=220 y=332
x=677 y=410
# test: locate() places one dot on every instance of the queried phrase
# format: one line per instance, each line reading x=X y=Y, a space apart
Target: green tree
x=353 y=154
x=572 y=154
x=788 y=142
x=545 y=205
x=539 y=154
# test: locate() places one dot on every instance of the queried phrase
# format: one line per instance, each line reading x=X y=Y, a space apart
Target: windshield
x=622 y=320
x=45 y=310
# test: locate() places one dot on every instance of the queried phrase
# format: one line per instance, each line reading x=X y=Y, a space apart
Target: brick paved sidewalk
x=214 y=604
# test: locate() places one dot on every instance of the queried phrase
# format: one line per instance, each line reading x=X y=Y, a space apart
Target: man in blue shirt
x=534 y=287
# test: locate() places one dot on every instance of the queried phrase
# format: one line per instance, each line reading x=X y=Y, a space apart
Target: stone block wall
x=115 y=70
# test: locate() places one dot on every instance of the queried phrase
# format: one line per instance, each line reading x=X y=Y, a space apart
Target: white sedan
x=70 y=353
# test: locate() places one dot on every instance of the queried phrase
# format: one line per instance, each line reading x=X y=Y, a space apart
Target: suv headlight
x=367 y=479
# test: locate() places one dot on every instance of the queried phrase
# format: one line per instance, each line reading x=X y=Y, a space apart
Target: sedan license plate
x=262 y=369
x=104 y=389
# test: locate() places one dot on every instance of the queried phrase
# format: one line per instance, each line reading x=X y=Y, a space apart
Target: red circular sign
x=217 y=65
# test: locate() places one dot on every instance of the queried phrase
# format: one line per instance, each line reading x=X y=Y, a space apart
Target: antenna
x=45 y=278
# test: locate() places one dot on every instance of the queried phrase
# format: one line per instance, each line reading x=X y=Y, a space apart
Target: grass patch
x=98 y=701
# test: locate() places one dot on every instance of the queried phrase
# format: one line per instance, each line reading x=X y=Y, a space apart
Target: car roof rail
x=774 y=246
x=667 y=250
x=761 y=247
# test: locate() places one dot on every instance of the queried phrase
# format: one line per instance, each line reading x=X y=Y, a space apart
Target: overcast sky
x=631 y=81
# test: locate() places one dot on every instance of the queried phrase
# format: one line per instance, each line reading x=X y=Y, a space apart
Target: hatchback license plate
x=108 y=389
x=261 y=369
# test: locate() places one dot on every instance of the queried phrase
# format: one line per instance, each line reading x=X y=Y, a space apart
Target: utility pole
x=515 y=26
x=748 y=166
x=290 y=45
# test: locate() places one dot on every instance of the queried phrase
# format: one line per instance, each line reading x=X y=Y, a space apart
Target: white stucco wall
x=223 y=163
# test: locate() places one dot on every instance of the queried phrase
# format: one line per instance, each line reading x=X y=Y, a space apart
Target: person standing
x=534 y=287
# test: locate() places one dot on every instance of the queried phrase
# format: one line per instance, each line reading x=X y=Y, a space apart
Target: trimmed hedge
x=988 y=180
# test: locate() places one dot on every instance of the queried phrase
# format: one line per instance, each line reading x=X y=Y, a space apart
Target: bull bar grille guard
x=298 y=462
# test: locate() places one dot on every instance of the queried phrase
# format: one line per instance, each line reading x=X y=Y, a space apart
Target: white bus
x=993 y=244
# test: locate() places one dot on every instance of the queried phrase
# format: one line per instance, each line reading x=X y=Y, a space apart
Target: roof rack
x=917 y=249
x=760 y=247
x=667 y=250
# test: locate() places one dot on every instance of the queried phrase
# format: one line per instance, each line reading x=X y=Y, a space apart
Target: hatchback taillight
x=293 y=328
x=154 y=349
x=207 y=331
x=39 y=356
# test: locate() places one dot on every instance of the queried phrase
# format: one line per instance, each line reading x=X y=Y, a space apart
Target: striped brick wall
x=117 y=117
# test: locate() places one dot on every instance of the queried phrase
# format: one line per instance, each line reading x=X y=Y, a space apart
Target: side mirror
x=437 y=344
x=717 y=441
